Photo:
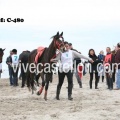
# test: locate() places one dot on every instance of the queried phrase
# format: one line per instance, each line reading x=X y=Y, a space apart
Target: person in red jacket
x=108 y=61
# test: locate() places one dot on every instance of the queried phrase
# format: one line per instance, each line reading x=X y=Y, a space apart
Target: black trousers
x=96 y=79
x=109 y=80
x=113 y=75
x=61 y=76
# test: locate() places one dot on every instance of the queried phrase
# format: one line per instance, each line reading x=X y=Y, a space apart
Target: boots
x=70 y=86
x=80 y=84
x=70 y=97
x=90 y=84
x=102 y=78
x=96 y=84
x=58 y=92
x=111 y=83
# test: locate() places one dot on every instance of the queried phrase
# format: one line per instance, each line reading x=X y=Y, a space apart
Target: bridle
x=57 y=45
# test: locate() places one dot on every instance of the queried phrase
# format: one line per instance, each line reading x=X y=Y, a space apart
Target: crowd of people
x=105 y=66
x=101 y=65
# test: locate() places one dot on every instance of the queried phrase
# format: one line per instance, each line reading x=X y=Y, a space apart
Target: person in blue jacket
x=101 y=57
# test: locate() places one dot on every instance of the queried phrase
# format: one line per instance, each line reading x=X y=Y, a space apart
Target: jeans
x=118 y=79
x=101 y=71
x=15 y=76
x=10 y=76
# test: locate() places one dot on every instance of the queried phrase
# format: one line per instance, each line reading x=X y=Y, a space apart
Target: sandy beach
x=19 y=104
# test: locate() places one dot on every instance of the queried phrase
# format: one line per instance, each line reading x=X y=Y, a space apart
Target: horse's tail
x=28 y=77
x=28 y=72
x=30 y=80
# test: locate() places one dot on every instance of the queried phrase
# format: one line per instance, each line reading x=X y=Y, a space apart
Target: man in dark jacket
x=76 y=63
x=9 y=63
x=15 y=67
x=0 y=69
x=23 y=58
x=117 y=60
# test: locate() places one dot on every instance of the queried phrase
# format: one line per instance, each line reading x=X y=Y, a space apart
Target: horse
x=23 y=58
x=45 y=58
x=1 y=54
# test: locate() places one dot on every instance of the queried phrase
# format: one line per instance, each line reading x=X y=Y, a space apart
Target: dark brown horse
x=1 y=54
x=45 y=60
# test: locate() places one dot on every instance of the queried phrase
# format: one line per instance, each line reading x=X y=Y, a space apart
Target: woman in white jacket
x=66 y=58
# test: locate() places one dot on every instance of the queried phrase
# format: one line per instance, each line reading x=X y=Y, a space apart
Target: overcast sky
x=86 y=23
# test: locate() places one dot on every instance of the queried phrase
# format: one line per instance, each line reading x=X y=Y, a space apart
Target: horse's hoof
x=29 y=89
x=45 y=99
x=38 y=93
x=34 y=88
x=57 y=98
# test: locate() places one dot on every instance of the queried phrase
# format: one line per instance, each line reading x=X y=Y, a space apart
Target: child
x=101 y=68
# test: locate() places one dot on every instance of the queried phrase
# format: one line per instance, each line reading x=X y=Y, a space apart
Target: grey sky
x=85 y=23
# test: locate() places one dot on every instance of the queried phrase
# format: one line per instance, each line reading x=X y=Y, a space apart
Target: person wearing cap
x=9 y=63
x=15 y=67
x=117 y=61
x=66 y=68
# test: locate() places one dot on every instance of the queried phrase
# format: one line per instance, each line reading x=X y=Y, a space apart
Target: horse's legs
x=37 y=79
x=43 y=84
x=46 y=88
x=48 y=79
x=28 y=80
x=32 y=82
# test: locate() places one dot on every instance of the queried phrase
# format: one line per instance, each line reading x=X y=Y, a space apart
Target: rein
x=57 y=45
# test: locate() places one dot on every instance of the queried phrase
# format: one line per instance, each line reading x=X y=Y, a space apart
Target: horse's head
x=1 y=54
x=58 y=40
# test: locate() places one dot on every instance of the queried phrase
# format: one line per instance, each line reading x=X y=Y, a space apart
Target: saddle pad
x=40 y=50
